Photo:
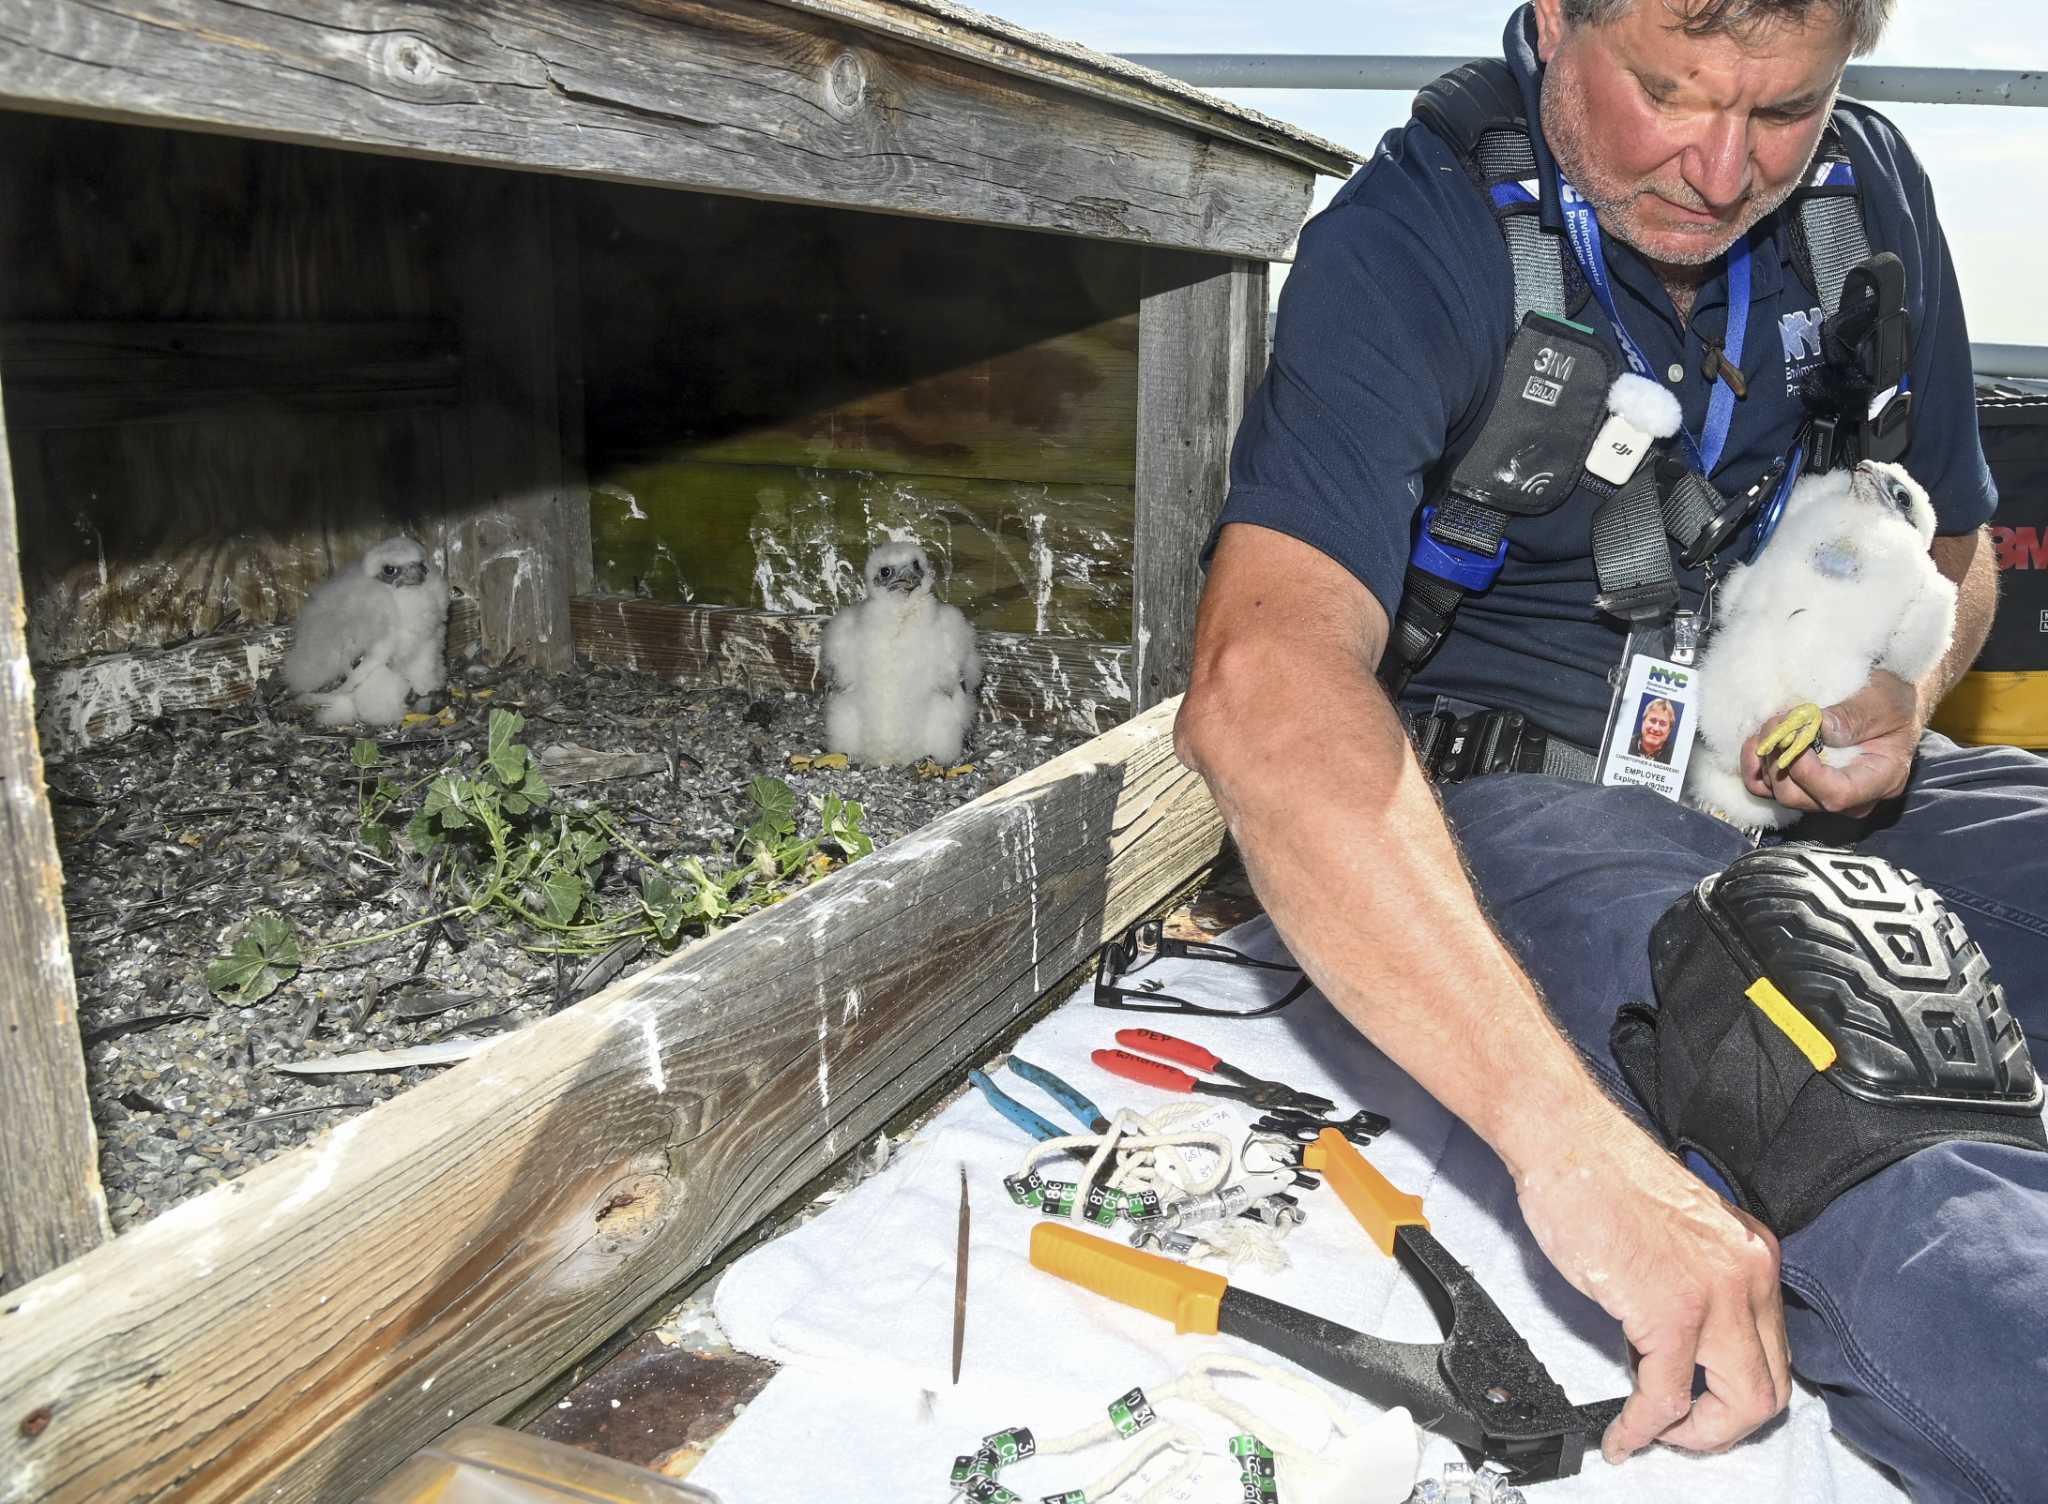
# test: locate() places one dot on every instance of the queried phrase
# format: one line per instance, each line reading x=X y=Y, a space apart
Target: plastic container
x=2004 y=697
x=479 y=1464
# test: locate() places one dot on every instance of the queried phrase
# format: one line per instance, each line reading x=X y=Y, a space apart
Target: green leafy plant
x=503 y=843
x=374 y=800
x=262 y=959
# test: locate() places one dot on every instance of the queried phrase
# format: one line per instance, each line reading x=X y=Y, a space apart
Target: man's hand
x=1882 y=720
x=1692 y=1280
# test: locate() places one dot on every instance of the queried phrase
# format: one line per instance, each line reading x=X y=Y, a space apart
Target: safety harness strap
x=1630 y=556
x=1477 y=110
x=1829 y=238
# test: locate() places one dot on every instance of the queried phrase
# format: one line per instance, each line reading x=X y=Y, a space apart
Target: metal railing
x=2025 y=88
x=1307 y=70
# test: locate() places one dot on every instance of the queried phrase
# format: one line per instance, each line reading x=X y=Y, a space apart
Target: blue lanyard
x=1583 y=226
x=1767 y=519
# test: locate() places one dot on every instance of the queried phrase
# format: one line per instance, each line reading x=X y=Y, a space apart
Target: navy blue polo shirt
x=1388 y=351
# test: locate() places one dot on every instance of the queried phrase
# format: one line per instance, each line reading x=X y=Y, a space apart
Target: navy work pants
x=1918 y=1302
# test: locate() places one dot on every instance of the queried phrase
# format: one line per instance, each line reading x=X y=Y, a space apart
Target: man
x=1919 y=1299
x=1653 y=730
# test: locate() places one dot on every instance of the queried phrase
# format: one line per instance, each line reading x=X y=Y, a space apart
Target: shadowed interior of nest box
x=230 y=366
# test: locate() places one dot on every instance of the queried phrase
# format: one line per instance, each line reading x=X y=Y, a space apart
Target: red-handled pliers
x=1247 y=1088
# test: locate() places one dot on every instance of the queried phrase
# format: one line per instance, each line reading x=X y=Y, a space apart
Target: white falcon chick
x=903 y=666
x=370 y=637
x=1845 y=586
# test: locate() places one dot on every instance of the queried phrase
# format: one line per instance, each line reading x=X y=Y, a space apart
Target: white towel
x=858 y=1303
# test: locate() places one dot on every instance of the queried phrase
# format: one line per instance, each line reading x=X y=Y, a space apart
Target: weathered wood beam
x=85 y=375
x=104 y=698
x=1201 y=351
x=1042 y=681
x=726 y=96
x=975 y=34
x=51 y=1205
x=293 y=1335
x=514 y=543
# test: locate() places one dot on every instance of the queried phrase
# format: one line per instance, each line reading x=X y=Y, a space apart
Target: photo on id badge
x=1657 y=718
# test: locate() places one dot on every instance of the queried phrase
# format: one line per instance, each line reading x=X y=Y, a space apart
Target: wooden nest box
x=647 y=318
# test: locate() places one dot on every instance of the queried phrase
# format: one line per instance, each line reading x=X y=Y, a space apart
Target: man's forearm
x=1968 y=561
x=1348 y=850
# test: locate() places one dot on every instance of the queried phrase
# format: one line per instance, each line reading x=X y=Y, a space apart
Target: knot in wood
x=632 y=1210
x=846 y=84
x=406 y=58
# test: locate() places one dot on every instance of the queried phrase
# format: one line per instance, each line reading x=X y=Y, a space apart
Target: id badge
x=1652 y=720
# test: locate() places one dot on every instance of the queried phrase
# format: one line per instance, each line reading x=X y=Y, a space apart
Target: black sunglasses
x=1147 y=941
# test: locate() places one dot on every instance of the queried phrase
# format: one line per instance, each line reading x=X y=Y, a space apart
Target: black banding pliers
x=1482 y=1387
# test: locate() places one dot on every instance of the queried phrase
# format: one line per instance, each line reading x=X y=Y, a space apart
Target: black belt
x=1453 y=748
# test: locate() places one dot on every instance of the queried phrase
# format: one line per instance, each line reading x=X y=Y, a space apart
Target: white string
x=1137 y=1140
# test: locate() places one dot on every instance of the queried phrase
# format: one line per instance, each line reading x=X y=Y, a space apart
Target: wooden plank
x=84 y=375
x=1201 y=349
x=293 y=1335
x=989 y=39
x=513 y=546
x=87 y=704
x=51 y=1208
x=1043 y=681
x=728 y=96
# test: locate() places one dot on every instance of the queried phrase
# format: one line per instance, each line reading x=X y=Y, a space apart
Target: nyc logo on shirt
x=1799 y=332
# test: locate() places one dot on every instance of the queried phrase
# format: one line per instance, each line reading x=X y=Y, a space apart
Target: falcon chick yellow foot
x=1790 y=738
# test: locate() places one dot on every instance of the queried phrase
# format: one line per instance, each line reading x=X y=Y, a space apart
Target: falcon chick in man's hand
x=371 y=637
x=903 y=665
x=1846 y=586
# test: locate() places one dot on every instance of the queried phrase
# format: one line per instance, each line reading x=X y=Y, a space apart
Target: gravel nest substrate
x=175 y=836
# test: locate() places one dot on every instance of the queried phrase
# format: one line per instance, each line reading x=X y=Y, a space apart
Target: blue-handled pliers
x=1091 y=1118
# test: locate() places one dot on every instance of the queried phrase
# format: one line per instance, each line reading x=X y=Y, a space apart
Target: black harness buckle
x=1452 y=748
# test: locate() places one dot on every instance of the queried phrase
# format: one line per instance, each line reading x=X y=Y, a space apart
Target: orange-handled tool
x=1371 y=1198
x=1482 y=1386
x=1186 y=1296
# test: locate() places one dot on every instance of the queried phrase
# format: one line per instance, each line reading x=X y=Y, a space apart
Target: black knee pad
x=1820 y=1015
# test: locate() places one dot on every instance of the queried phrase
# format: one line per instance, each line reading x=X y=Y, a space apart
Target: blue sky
x=1990 y=166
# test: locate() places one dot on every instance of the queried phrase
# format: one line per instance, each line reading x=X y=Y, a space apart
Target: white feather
x=371 y=637
x=1846 y=586
x=903 y=666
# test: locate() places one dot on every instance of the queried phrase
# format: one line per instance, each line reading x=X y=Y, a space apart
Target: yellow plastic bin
x=479 y=1464
x=2004 y=697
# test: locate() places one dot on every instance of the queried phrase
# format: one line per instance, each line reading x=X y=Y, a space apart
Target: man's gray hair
x=1865 y=19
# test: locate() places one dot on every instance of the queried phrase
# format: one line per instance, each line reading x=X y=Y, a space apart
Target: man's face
x=1682 y=143
x=1656 y=728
